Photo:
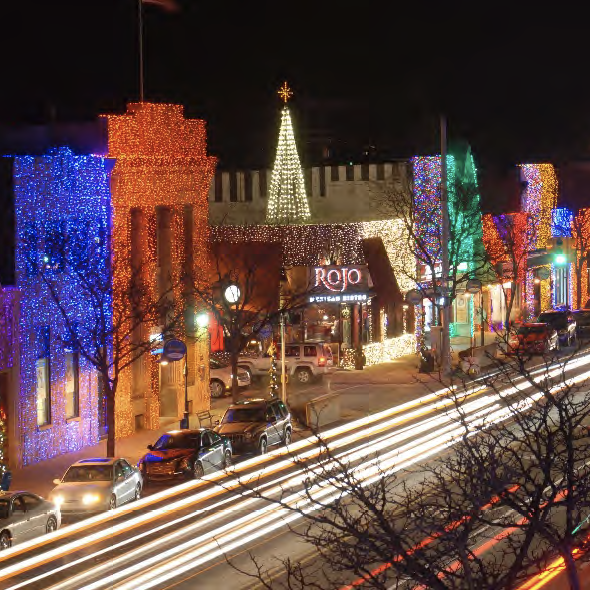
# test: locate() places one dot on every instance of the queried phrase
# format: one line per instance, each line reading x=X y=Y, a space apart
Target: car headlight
x=57 y=499
x=89 y=499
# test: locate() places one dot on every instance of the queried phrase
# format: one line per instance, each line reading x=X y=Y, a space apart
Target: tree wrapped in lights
x=287 y=203
x=274 y=388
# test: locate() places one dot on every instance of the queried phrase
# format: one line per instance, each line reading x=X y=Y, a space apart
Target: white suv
x=303 y=361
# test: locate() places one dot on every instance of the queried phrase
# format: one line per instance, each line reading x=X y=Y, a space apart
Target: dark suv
x=562 y=321
x=256 y=424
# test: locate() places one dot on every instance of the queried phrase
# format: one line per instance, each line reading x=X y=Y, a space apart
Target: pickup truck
x=303 y=362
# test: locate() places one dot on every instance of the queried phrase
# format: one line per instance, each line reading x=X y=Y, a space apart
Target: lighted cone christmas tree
x=287 y=201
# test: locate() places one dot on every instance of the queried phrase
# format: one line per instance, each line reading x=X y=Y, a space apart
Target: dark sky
x=512 y=82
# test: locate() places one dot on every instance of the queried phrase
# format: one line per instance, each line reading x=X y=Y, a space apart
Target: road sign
x=174 y=350
x=543 y=273
x=414 y=297
x=473 y=286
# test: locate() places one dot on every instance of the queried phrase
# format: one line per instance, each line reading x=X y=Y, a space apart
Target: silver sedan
x=25 y=516
x=93 y=485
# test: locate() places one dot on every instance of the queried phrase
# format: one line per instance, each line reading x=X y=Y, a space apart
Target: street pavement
x=362 y=392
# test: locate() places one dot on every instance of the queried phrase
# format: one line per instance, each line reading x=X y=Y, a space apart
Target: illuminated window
x=43 y=377
x=72 y=385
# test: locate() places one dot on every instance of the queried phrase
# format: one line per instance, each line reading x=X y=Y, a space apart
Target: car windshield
x=524 y=330
x=89 y=473
x=255 y=414
x=173 y=441
x=215 y=364
x=4 y=508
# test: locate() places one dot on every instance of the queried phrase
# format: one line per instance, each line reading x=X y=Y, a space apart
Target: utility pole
x=283 y=374
x=446 y=336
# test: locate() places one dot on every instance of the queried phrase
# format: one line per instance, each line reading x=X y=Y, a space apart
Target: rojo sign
x=340 y=279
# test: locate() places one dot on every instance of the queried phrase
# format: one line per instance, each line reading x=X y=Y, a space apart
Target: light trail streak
x=347 y=440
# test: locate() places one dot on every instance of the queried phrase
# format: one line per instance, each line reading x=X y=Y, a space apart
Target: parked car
x=256 y=424
x=92 y=485
x=582 y=317
x=563 y=321
x=220 y=377
x=303 y=361
x=186 y=453
x=25 y=516
x=533 y=338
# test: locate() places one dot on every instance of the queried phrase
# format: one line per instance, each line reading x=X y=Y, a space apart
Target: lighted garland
x=581 y=236
x=540 y=198
x=161 y=161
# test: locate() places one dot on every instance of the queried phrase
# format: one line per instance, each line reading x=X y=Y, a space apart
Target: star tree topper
x=285 y=92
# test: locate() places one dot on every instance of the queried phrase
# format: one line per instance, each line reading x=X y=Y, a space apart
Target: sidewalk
x=356 y=401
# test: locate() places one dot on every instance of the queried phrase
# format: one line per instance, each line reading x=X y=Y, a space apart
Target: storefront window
x=72 y=385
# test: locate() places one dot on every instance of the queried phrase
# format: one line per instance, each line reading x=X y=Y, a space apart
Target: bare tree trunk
x=509 y=306
x=110 y=422
x=571 y=570
x=235 y=395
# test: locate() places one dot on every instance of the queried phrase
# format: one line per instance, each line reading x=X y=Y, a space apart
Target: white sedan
x=220 y=377
x=92 y=485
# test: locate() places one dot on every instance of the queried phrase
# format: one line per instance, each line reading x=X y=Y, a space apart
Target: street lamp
x=202 y=320
x=232 y=294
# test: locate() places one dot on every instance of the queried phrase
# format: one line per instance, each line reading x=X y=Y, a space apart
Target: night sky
x=513 y=83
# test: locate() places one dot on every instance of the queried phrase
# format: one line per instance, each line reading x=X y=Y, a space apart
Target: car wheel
x=137 y=492
x=227 y=459
x=288 y=436
x=5 y=540
x=51 y=525
x=217 y=389
x=262 y=446
x=198 y=470
x=113 y=502
x=303 y=376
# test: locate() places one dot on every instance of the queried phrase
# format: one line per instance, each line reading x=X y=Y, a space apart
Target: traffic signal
x=561 y=251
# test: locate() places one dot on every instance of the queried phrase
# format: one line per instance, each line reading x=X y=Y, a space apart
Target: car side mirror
x=120 y=478
x=150 y=447
x=56 y=482
x=272 y=419
x=216 y=423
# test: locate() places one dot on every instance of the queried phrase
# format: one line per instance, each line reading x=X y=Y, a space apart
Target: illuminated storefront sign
x=340 y=279
x=339 y=298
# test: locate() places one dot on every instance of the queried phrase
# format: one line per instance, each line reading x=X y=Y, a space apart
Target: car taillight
x=322 y=361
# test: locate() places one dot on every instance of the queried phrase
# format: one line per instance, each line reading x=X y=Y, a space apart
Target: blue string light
x=58 y=196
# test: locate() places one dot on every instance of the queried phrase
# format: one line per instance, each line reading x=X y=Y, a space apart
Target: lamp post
x=231 y=295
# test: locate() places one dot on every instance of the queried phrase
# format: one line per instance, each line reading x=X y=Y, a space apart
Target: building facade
x=336 y=194
x=142 y=204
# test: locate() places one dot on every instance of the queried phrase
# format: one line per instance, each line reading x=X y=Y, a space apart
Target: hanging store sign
x=340 y=298
x=340 y=279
